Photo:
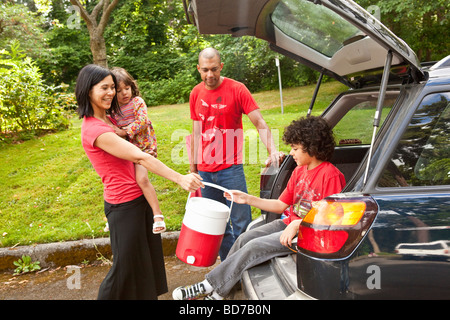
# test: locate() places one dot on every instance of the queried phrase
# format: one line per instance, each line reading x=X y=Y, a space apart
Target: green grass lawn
x=51 y=193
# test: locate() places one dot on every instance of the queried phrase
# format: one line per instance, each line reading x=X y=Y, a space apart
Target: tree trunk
x=96 y=29
x=98 y=49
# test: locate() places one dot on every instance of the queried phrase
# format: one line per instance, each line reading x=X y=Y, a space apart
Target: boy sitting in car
x=312 y=145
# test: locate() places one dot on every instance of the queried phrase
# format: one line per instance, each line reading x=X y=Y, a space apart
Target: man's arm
x=266 y=136
x=263 y=129
x=195 y=144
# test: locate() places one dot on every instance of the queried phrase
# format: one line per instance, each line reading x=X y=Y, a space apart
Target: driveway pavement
x=63 y=283
x=64 y=276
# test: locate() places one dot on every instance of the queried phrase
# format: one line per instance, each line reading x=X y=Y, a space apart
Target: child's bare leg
x=149 y=193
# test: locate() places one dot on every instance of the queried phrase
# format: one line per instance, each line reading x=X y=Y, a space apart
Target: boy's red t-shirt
x=307 y=186
x=220 y=110
x=117 y=175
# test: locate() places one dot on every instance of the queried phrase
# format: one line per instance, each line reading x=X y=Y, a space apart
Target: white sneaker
x=190 y=292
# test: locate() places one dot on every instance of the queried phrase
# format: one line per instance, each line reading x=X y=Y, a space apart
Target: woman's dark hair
x=314 y=135
x=122 y=75
x=87 y=78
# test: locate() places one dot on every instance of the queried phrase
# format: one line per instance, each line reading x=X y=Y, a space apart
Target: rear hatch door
x=336 y=37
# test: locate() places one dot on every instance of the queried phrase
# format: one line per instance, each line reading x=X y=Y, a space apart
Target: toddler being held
x=134 y=125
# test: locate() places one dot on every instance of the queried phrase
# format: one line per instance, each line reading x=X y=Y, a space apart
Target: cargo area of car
x=273 y=280
x=347 y=159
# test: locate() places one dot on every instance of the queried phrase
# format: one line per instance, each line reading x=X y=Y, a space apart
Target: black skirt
x=138 y=270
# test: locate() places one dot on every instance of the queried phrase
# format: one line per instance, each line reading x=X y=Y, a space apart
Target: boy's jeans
x=250 y=249
x=232 y=178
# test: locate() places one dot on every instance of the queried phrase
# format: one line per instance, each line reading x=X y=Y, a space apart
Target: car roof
x=338 y=38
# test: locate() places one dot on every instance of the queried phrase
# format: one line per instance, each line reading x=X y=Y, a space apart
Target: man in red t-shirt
x=216 y=107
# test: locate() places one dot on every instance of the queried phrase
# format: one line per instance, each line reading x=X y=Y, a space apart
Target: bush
x=27 y=105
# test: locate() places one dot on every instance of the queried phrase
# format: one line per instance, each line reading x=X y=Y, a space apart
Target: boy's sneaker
x=190 y=292
x=210 y=297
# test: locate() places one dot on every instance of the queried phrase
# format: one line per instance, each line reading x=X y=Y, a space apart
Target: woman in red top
x=138 y=268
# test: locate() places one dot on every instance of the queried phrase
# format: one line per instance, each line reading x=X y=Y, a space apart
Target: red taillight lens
x=334 y=227
x=322 y=241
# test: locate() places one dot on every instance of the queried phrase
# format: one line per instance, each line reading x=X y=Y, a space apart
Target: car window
x=316 y=26
x=356 y=127
x=422 y=157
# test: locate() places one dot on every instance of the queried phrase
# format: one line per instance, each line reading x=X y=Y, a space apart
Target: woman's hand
x=191 y=182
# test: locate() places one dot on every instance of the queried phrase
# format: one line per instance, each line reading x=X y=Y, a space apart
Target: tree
x=18 y=23
x=68 y=43
x=422 y=24
x=96 y=28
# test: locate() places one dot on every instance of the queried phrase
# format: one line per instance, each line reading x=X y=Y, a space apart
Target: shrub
x=27 y=104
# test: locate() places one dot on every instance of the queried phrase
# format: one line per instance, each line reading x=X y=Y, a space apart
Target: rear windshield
x=352 y=116
x=314 y=25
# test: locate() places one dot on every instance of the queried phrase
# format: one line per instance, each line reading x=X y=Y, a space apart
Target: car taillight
x=334 y=227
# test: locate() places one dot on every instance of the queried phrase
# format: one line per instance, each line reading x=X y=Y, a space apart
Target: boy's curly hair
x=314 y=135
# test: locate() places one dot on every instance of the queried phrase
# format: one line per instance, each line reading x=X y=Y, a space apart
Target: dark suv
x=393 y=130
